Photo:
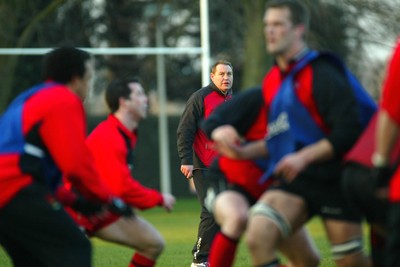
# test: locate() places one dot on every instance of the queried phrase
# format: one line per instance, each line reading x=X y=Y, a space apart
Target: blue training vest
x=290 y=124
x=12 y=139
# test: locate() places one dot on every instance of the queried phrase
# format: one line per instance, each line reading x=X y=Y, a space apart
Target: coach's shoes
x=200 y=264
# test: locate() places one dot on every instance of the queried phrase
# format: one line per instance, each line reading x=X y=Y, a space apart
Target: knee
x=254 y=239
x=251 y=242
x=235 y=225
x=349 y=254
x=240 y=221
x=265 y=224
x=312 y=259
x=354 y=260
x=152 y=246
x=156 y=247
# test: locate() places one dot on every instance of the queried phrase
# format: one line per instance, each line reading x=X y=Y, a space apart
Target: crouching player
x=235 y=183
x=112 y=143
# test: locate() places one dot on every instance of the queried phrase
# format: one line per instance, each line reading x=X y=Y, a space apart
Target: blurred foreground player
x=235 y=184
x=387 y=134
x=314 y=108
x=43 y=136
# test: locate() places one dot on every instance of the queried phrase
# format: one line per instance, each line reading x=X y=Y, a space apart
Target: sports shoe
x=200 y=264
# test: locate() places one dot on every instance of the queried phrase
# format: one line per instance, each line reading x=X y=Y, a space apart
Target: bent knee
x=252 y=242
x=235 y=225
x=307 y=260
x=255 y=240
x=157 y=247
x=350 y=253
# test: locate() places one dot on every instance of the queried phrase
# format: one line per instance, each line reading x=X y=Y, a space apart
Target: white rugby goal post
x=160 y=51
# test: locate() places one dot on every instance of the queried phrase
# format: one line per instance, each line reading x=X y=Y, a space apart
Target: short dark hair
x=298 y=11
x=62 y=64
x=219 y=62
x=116 y=89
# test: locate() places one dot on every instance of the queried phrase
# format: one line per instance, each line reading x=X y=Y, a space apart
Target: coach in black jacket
x=195 y=149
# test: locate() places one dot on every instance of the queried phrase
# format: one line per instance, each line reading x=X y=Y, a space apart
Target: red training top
x=111 y=144
x=390 y=103
x=56 y=117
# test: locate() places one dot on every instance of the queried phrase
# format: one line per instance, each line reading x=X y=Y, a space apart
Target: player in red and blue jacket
x=42 y=138
x=235 y=183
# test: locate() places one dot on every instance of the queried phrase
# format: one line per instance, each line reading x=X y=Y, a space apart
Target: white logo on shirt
x=278 y=126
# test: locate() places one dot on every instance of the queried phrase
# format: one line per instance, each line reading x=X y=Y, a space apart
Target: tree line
x=348 y=27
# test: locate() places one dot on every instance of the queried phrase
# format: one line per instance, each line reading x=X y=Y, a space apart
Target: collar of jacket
x=216 y=89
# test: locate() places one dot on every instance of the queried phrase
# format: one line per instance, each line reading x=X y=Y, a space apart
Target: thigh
x=263 y=225
x=229 y=203
x=231 y=213
x=342 y=231
x=33 y=223
x=300 y=249
x=292 y=207
x=346 y=243
x=134 y=232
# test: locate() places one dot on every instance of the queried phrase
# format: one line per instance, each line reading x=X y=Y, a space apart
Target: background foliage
x=347 y=27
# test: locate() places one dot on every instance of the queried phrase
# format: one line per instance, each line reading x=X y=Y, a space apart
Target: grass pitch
x=179 y=229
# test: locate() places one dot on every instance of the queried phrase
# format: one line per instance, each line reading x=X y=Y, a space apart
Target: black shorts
x=36 y=231
x=323 y=197
x=359 y=188
x=219 y=183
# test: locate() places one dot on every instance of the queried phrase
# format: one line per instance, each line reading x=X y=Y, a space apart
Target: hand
x=118 y=206
x=71 y=198
x=225 y=135
x=187 y=170
x=381 y=177
x=168 y=201
x=290 y=166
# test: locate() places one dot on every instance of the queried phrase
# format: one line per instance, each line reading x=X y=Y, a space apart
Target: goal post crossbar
x=111 y=51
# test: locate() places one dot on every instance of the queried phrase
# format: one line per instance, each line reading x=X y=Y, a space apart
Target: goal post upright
x=204 y=51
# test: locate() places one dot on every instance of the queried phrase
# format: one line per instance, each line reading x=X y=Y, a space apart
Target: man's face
x=223 y=77
x=137 y=102
x=279 y=32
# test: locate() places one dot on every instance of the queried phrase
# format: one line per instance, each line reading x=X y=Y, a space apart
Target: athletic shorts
x=323 y=197
x=93 y=223
x=359 y=188
x=242 y=176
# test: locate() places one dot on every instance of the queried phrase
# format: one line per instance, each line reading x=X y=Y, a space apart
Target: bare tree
x=21 y=23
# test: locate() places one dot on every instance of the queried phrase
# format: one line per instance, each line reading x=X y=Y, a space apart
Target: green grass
x=179 y=229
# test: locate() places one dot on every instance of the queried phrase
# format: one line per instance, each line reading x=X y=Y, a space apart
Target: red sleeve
x=111 y=161
x=63 y=130
x=391 y=86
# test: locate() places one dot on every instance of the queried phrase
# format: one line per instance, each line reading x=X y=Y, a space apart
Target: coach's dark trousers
x=207 y=227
